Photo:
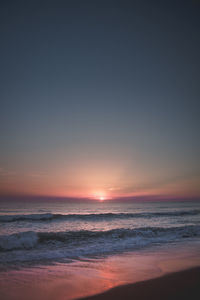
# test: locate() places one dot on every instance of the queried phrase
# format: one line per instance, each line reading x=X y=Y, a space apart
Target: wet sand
x=179 y=285
x=137 y=275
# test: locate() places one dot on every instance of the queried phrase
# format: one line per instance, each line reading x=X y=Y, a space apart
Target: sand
x=179 y=285
x=135 y=275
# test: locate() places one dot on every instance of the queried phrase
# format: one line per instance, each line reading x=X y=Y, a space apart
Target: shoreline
x=181 y=285
x=107 y=278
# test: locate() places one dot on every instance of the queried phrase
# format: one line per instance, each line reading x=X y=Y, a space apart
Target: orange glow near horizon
x=96 y=184
x=100 y=195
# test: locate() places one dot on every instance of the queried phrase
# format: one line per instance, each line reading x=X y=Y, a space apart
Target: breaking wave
x=83 y=238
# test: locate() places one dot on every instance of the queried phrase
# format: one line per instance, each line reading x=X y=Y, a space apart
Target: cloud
x=114 y=189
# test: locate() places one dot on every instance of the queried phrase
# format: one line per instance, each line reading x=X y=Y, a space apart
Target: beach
x=179 y=285
x=99 y=156
x=70 y=251
x=135 y=275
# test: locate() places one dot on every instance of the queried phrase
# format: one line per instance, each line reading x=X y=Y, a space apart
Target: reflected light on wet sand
x=88 y=277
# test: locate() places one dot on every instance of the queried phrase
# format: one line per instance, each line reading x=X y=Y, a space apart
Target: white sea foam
x=28 y=240
x=68 y=231
x=24 y=240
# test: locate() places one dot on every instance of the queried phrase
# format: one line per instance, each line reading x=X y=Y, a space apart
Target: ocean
x=46 y=233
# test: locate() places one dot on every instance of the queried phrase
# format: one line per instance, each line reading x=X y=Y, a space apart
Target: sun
x=99 y=195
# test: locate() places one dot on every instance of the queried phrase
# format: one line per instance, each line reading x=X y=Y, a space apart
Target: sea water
x=46 y=232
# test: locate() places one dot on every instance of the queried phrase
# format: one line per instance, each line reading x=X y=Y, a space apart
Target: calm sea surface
x=48 y=232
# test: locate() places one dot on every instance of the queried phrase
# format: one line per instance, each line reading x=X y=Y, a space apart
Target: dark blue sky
x=100 y=97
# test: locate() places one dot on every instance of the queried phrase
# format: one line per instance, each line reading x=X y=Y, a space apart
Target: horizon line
x=117 y=199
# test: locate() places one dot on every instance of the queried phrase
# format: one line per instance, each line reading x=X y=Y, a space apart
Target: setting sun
x=99 y=195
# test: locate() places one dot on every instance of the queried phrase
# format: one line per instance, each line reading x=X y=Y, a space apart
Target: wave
x=30 y=217
x=94 y=217
x=83 y=238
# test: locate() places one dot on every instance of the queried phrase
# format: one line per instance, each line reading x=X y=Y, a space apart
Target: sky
x=100 y=99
